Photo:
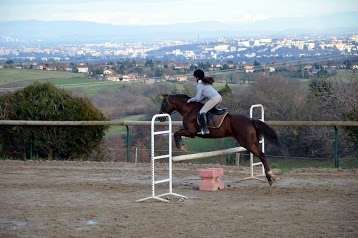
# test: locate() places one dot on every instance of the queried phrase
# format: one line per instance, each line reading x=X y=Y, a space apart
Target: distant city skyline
x=164 y=12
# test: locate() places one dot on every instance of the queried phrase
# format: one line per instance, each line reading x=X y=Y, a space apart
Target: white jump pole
x=167 y=156
x=209 y=154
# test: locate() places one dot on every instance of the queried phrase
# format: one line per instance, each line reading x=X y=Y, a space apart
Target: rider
x=205 y=90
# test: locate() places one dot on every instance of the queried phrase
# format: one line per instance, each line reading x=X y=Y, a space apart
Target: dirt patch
x=87 y=199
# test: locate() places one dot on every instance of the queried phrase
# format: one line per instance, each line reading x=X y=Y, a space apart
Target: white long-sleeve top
x=203 y=91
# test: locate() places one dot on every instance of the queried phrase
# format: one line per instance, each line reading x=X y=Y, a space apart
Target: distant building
x=125 y=78
x=271 y=69
x=37 y=66
x=181 y=77
x=68 y=68
x=243 y=43
x=266 y=40
x=133 y=76
x=114 y=77
x=82 y=68
x=50 y=68
x=249 y=68
x=108 y=72
x=308 y=67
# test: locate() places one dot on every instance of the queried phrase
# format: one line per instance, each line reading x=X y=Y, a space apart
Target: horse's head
x=165 y=107
x=171 y=103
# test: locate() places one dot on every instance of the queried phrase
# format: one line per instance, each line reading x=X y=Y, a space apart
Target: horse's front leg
x=178 y=137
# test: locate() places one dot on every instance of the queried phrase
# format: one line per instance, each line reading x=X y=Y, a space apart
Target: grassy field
x=121 y=130
x=19 y=75
x=286 y=164
x=14 y=78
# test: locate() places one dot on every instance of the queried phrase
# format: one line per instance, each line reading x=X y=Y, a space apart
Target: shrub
x=45 y=102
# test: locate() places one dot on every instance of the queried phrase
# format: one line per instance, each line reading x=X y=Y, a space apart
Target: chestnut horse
x=245 y=130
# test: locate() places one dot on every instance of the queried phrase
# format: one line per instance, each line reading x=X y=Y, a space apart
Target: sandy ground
x=88 y=199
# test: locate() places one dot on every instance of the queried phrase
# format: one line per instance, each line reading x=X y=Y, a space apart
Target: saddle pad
x=215 y=121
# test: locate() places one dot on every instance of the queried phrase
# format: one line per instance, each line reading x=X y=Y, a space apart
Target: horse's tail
x=265 y=130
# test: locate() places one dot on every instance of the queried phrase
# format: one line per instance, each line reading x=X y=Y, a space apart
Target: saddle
x=217 y=111
x=215 y=117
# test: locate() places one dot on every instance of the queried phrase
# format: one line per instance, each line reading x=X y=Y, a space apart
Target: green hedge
x=45 y=102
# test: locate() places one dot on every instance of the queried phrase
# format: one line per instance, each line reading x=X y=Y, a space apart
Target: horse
x=245 y=130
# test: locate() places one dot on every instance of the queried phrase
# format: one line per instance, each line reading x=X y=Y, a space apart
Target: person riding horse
x=205 y=90
x=246 y=131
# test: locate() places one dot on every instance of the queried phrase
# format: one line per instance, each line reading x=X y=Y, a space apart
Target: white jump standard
x=154 y=158
x=262 y=142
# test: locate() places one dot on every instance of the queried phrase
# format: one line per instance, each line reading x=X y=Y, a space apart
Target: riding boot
x=204 y=124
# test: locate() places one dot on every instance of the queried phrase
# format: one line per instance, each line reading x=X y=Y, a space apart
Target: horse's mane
x=184 y=98
x=181 y=96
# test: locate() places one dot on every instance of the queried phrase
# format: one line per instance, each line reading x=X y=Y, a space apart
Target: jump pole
x=208 y=154
x=167 y=156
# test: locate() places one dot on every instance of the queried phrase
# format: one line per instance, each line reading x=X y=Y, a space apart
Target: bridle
x=168 y=107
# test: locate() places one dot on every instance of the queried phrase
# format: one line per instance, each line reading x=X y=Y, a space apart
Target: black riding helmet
x=199 y=74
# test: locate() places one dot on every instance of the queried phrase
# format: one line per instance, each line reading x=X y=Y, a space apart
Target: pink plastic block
x=211 y=179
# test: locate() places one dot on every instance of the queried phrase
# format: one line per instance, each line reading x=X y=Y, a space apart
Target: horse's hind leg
x=254 y=148
x=247 y=135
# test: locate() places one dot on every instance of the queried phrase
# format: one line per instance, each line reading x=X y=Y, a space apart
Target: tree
x=225 y=67
x=45 y=102
x=149 y=63
x=192 y=67
x=345 y=91
x=337 y=100
x=9 y=62
x=158 y=73
x=286 y=100
x=138 y=70
x=347 y=64
x=256 y=63
x=225 y=90
x=322 y=73
x=320 y=87
x=317 y=66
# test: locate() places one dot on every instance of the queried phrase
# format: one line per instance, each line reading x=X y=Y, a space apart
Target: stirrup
x=201 y=132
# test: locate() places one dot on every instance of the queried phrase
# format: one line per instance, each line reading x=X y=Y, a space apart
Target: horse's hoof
x=184 y=148
x=270 y=182
x=271 y=177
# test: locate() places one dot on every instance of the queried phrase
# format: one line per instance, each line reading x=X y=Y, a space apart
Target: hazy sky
x=159 y=12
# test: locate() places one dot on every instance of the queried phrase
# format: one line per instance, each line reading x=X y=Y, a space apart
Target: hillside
x=108 y=96
x=56 y=31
